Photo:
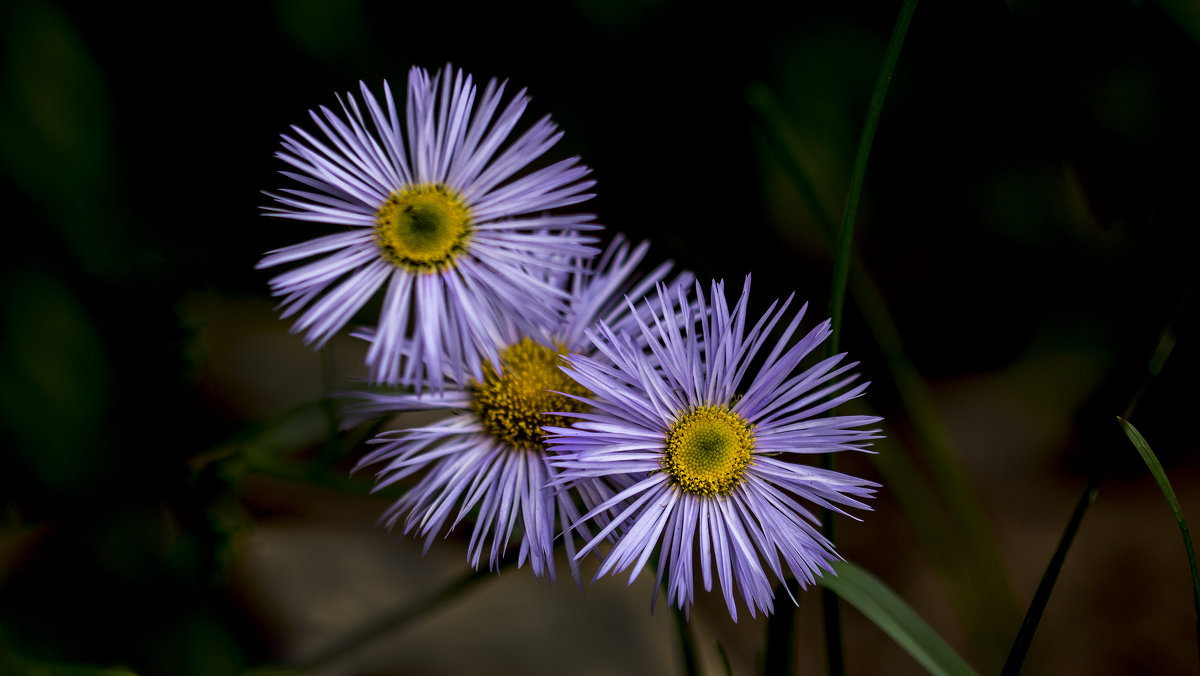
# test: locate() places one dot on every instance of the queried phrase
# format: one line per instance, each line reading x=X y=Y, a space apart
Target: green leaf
x=1160 y=476
x=1041 y=597
x=891 y=614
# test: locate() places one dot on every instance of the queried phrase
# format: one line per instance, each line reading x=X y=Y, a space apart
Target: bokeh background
x=175 y=497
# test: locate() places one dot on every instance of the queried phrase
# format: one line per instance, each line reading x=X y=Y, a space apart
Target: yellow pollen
x=423 y=228
x=512 y=406
x=708 y=450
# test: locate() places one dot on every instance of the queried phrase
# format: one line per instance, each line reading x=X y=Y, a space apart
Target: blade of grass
x=899 y=621
x=841 y=264
x=724 y=658
x=1164 y=485
x=774 y=125
x=926 y=517
x=1162 y=350
x=984 y=600
x=1016 y=655
x=988 y=600
x=687 y=649
x=837 y=294
x=1020 y=647
x=996 y=609
x=915 y=396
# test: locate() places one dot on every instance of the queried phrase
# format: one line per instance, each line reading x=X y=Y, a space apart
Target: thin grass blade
x=951 y=510
x=841 y=262
x=1033 y=616
x=837 y=290
x=1164 y=484
x=724 y=658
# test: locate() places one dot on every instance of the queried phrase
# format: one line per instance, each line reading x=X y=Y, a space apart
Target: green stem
x=781 y=627
x=837 y=294
x=687 y=648
x=1016 y=656
x=831 y=607
x=332 y=448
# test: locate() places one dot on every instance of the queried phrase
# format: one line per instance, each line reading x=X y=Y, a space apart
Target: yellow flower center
x=513 y=405
x=708 y=450
x=423 y=228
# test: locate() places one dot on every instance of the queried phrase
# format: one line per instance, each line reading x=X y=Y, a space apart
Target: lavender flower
x=709 y=460
x=432 y=211
x=487 y=454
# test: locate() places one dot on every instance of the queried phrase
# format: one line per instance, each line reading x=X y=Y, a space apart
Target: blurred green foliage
x=54 y=398
x=58 y=141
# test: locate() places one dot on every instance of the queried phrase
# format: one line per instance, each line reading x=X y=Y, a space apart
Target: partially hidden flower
x=708 y=431
x=485 y=460
x=439 y=212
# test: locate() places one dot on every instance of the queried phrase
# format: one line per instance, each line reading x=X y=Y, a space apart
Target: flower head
x=709 y=458
x=434 y=214
x=487 y=454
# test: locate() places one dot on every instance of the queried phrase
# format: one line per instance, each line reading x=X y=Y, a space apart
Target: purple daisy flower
x=487 y=455
x=709 y=459
x=434 y=212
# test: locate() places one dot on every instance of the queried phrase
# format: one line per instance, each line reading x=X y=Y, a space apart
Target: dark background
x=174 y=501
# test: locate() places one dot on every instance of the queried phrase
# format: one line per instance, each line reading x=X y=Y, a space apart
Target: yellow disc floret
x=424 y=227
x=512 y=406
x=708 y=450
